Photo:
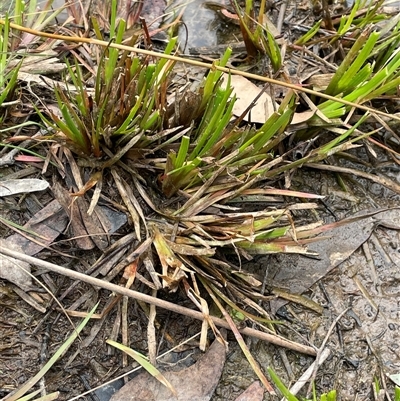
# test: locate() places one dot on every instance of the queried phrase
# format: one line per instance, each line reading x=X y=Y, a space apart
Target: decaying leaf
x=77 y=228
x=14 y=270
x=298 y=273
x=20 y=186
x=246 y=92
x=254 y=392
x=196 y=382
x=49 y=223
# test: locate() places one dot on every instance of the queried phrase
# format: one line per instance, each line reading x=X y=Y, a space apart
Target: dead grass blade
x=127 y=201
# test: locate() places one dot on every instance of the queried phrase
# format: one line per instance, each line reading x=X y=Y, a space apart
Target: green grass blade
x=309 y=35
x=347 y=20
x=113 y=17
x=357 y=64
x=397 y=394
x=19 y=11
x=183 y=151
x=217 y=132
x=331 y=396
x=333 y=87
x=10 y=85
x=143 y=361
x=264 y=132
x=212 y=79
x=282 y=388
x=217 y=109
x=388 y=88
x=361 y=77
x=274 y=52
x=151 y=122
x=325 y=149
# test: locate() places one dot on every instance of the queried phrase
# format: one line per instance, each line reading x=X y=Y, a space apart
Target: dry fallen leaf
x=254 y=392
x=49 y=223
x=14 y=270
x=77 y=228
x=336 y=245
x=299 y=118
x=195 y=383
x=246 y=92
x=13 y=187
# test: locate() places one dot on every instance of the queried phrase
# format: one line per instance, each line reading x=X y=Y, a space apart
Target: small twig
x=305 y=377
x=281 y=16
x=322 y=347
x=277 y=340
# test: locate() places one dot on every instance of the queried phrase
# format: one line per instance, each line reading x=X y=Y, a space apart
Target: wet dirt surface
x=203 y=25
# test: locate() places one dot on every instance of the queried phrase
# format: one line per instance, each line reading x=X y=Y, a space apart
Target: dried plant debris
x=41 y=230
x=190 y=161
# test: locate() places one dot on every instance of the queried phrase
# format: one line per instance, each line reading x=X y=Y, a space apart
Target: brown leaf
x=254 y=392
x=93 y=223
x=246 y=92
x=77 y=228
x=49 y=223
x=338 y=243
x=194 y=383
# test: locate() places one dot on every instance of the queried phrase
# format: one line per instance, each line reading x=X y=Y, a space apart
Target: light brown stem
x=155 y=301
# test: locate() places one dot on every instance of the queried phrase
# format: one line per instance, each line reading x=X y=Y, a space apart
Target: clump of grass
x=209 y=161
x=128 y=95
x=357 y=80
x=258 y=39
